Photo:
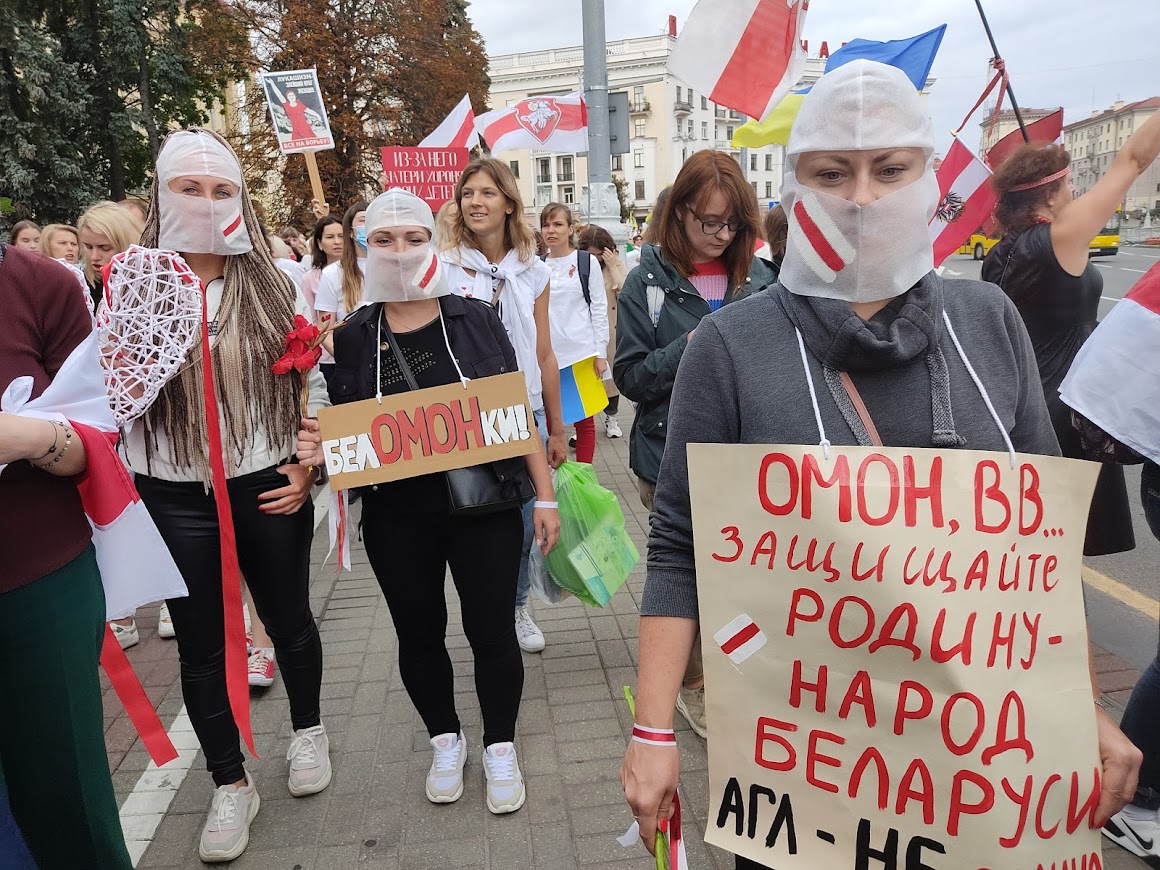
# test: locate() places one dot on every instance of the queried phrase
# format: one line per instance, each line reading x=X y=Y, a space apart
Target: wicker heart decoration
x=147 y=323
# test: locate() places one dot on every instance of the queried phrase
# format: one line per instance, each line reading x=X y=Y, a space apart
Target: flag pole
x=1010 y=93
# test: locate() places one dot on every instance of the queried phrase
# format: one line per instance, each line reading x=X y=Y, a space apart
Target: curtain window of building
x=638 y=130
x=769 y=163
x=638 y=159
x=617 y=163
x=544 y=170
x=729 y=133
x=753 y=162
x=639 y=190
x=769 y=190
x=569 y=194
x=564 y=169
x=689 y=130
x=704 y=103
x=705 y=130
x=515 y=167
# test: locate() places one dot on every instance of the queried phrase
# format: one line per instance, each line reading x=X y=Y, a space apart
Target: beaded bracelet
x=68 y=436
x=654 y=736
x=51 y=450
x=551 y=505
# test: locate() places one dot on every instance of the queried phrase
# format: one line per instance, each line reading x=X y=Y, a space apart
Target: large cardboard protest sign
x=896 y=658
x=421 y=432
x=298 y=110
x=429 y=173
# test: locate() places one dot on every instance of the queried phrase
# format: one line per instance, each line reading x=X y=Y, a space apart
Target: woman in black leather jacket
x=412 y=535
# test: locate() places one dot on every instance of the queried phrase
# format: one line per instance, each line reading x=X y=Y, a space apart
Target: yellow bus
x=978 y=246
x=1107 y=243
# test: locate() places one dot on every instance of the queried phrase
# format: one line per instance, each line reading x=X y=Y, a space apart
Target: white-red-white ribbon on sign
x=744 y=54
x=557 y=124
x=966 y=200
x=740 y=638
x=818 y=239
x=457 y=129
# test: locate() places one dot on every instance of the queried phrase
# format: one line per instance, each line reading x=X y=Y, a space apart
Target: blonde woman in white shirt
x=490 y=254
x=578 y=314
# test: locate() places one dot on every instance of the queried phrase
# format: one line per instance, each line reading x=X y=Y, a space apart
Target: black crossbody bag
x=478 y=489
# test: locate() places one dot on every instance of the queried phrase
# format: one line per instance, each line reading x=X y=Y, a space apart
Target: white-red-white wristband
x=654 y=736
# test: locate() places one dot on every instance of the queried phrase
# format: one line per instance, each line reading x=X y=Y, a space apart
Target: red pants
x=586 y=440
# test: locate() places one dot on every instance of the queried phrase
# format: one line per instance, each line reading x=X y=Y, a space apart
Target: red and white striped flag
x=740 y=638
x=1115 y=379
x=457 y=129
x=966 y=203
x=545 y=123
x=744 y=54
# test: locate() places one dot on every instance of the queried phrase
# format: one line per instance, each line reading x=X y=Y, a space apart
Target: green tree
x=96 y=83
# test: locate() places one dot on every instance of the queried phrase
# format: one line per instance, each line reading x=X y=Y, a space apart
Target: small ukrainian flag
x=582 y=392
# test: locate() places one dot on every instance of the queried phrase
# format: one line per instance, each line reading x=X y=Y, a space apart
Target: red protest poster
x=429 y=173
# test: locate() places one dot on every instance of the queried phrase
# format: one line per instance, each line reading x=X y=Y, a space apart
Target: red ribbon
x=1000 y=77
x=136 y=703
x=237 y=682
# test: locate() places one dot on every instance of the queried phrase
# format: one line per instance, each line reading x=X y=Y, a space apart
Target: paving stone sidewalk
x=571 y=736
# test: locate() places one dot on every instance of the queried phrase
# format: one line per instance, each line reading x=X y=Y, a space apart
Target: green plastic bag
x=594 y=555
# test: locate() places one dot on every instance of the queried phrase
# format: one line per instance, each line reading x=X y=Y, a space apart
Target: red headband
x=1032 y=184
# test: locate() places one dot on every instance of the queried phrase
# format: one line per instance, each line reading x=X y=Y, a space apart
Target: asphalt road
x=1124 y=600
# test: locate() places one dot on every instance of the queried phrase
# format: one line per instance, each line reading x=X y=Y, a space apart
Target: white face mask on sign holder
x=410 y=276
x=195 y=224
x=836 y=248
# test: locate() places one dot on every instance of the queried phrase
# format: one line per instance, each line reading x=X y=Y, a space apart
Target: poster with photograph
x=298 y=110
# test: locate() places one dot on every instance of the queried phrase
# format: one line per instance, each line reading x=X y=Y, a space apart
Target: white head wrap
x=415 y=274
x=195 y=224
x=836 y=248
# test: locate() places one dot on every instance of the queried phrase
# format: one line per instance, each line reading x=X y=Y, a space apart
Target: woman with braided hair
x=1042 y=264
x=200 y=207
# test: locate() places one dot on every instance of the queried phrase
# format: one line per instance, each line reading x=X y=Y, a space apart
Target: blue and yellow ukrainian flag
x=582 y=392
x=913 y=56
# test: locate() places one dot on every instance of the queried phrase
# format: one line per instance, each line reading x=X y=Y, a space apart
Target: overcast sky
x=1072 y=53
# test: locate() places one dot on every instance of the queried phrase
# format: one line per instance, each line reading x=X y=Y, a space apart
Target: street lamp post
x=603 y=203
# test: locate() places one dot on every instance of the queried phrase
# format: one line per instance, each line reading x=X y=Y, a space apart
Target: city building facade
x=1094 y=142
x=1006 y=123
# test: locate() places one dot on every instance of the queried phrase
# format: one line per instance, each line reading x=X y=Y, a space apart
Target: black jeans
x=1141 y=721
x=410 y=552
x=274 y=554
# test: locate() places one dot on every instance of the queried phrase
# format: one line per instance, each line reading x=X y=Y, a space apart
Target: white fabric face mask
x=195 y=224
x=411 y=276
x=841 y=250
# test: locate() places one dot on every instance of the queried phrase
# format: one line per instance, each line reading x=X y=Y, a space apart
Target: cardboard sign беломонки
x=421 y=432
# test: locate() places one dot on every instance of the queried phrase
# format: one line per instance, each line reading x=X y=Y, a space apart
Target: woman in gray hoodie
x=857 y=295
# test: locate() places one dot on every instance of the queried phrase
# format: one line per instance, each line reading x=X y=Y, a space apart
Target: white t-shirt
x=517 y=311
x=328 y=297
x=579 y=331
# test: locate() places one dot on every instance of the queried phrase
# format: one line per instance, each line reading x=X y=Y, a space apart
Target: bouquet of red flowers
x=303 y=351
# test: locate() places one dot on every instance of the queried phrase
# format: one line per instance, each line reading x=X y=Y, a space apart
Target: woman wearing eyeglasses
x=701 y=258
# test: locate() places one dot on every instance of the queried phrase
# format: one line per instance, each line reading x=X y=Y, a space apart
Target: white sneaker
x=505 y=783
x=309 y=757
x=528 y=634
x=1139 y=836
x=165 y=622
x=445 y=779
x=227 y=828
x=126 y=635
x=612 y=427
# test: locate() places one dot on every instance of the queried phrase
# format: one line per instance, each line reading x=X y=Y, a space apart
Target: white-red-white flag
x=457 y=129
x=557 y=124
x=1115 y=379
x=740 y=638
x=964 y=183
x=743 y=54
